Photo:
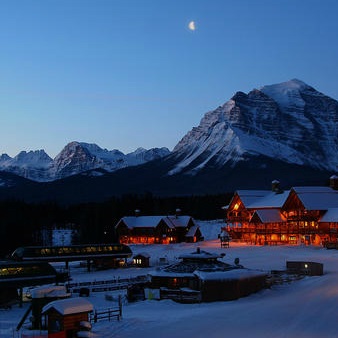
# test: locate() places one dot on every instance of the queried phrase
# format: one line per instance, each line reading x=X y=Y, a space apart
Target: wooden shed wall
x=217 y=290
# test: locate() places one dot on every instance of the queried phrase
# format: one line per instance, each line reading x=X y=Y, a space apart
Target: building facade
x=301 y=215
x=157 y=229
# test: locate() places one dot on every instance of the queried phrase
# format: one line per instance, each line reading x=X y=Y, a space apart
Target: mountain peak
x=75 y=158
x=289 y=121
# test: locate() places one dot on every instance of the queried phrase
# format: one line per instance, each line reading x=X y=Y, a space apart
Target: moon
x=192 y=25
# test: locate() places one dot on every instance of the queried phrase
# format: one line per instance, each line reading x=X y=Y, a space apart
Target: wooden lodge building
x=301 y=215
x=157 y=229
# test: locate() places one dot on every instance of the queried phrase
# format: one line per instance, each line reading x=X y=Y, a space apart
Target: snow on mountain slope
x=75 y=158
x=32 y=164
x=290 y=121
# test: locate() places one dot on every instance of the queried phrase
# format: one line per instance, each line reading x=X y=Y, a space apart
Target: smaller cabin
x=201 y=276
x=43 y=295
x=65 y=316
x=305 y=268
x=141 y=260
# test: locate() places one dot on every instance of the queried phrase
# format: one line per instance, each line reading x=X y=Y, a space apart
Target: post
x=120 y=306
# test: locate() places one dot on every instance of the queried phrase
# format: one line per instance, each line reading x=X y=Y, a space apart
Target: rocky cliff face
x=291 y=122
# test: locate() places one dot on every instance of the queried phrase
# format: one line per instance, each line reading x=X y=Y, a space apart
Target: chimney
x=177 y=212
x=275 y=186
x=137 y=212
x=334 y=182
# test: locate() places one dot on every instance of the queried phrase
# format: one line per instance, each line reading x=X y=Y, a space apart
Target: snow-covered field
x=304 y=308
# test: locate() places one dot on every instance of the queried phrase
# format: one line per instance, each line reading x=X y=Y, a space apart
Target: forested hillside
x=20 y=222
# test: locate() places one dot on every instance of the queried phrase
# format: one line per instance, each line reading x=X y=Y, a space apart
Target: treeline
x=20 y=221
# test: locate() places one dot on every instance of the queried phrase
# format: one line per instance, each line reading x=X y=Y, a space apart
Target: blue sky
x=129 y=73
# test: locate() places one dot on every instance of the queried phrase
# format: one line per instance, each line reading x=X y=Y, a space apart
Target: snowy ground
x=304 y=308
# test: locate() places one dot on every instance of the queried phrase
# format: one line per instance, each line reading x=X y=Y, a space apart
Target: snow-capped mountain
x=31 y=164
x=75 y=158
x=290 y=121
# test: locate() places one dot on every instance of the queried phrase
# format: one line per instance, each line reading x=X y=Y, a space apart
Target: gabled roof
x=251 y=196
x=317 y=198
x=269 y=216
x=153 y=221
x=192 y=231
x=69 y=306
x=141 y=221
x=177 y=221
x=270 y=200
x=330 y=216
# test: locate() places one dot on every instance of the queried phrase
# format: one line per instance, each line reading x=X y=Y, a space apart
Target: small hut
x=65 y=316
x=43 y=295
x=229 y=285
x=141 y=260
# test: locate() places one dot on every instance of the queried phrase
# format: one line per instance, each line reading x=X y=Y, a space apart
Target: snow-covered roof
x=143 y=254
x=234 y=274
x=50 y=291
x=200 y=255
x=251 y=196
x=177 y=221
x=164 y=273
x=192 y=231
x=270 y=200
x=317 y=198
x=330 y=216
x=141 y=221
x=69 y=306
x=153 y=221
x=313 y=189
x=269 y=215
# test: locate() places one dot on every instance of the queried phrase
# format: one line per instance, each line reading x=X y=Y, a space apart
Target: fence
x=107 y=313
x=181 y=295
x=107 y=285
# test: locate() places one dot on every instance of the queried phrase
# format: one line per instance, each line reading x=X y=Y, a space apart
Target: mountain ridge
x=74 y=158
x=291 y=121
x=287 y=131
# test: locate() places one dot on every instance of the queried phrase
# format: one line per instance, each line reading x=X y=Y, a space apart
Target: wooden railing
x=106 y=285
x=109 y=313
x=181 y=295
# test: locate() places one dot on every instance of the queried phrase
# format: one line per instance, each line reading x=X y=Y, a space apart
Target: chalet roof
x=192 y=231
x=317 y=198
x=141 y=221
x=269 y=216
x=330 y=216
x=69 y=306
x=153 y=221
x=251 y=196
x=270 y=200
x=177 y=221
